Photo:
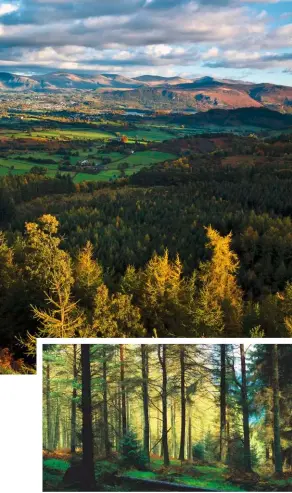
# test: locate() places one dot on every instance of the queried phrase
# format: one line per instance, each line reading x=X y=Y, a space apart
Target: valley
x=101 y=209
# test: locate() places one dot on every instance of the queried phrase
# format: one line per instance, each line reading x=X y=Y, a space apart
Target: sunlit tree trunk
x=123 y=390
x=162 y=359
x=245 y=413
x=173 y=428
x=276 y=410
x=145 y=372
x=57 y=425
x=48 y=406
x=190 y=451
x=223 y=438
x=105 y=405
x=183 y=405
x=73 y=402
x=87 y=435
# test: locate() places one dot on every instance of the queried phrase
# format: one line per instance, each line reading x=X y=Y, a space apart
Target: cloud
x=139 y=34
x=242 y=60
x=8 y=8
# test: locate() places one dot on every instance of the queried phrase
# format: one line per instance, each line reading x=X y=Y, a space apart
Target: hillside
x=156 y=92
x=254 y=117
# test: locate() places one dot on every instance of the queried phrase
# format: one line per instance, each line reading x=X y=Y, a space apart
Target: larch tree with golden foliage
x=115 y=315
x=219 y=304
x=165 y=297
x=88 y=275
x=51 y=269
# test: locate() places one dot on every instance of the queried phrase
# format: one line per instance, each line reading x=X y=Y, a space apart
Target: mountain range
x=149 y=91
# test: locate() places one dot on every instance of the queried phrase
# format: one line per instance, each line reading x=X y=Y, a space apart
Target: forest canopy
x=61 y=296
x=207 y=416
x=198 y=246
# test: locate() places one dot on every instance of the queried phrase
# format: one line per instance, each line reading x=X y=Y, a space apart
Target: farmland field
x=21 y=162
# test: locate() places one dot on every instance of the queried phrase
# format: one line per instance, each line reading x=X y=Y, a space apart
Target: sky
x=239 y=39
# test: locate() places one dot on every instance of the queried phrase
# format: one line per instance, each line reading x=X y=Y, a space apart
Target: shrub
x=198 y=451
x=235 y=458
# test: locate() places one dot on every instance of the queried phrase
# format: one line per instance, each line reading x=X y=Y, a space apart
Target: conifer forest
x=167 y=417
x=197 y=246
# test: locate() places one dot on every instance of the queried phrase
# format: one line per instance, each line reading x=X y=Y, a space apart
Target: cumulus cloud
x=140 y=34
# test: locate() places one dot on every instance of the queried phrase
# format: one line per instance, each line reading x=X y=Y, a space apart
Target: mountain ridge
x=149 y=91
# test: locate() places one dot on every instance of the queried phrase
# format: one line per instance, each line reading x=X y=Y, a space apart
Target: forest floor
x=215 y=477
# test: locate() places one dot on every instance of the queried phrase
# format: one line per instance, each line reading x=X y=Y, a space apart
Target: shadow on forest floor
x=200 y=476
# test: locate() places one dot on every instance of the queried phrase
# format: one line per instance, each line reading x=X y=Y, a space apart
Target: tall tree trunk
x=123 y=389
x=183 y=404
x=145 y=376
x=173 y=428
x=223 y=437
x=87 y=434
x=73 y=402
x=57 y=426
x=245 y=413
x=162 y=359
x=105 y=405
x=190 y=448
x=48 y=406
x=158 y=450
x=276 y=410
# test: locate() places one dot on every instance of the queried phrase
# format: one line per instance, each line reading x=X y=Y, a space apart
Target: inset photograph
x=167 y=417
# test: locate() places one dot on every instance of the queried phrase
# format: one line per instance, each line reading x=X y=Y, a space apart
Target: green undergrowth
x=53 y=472
x=204 y=476
x=198 y=476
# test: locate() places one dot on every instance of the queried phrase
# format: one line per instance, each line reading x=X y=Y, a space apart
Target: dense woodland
x=209 y=416
x=200 y=246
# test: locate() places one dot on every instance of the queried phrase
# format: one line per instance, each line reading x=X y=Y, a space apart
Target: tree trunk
x=190 y=448
x=73 y=402
x=276 y=410
x=87 y=435
x=173 y=428
x=223 y=437
x=145 y=376
x=162 y=360
x=105 y=405
x=48 y=406
x=183 y=405
x=245 y=413
x=57 y=426
x=123 y=390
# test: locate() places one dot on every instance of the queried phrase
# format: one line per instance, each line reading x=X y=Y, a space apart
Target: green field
x=14 y=165
x=135 y=161
x=152 y=134
x=59 y=134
